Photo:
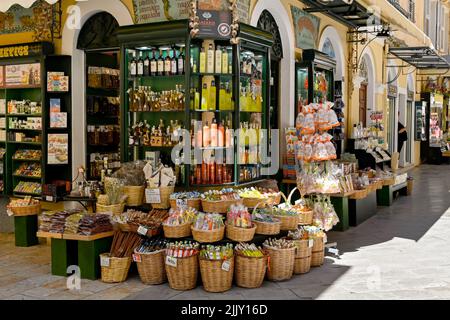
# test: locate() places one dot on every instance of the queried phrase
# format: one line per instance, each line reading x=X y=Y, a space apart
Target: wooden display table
x=75 y=249
x=340 y=204
x=362 y=208
x=25 y=227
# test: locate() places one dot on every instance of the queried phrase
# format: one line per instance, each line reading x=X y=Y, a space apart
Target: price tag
x=104 y=261
x=333 y=251
x=137 y=258
x=142 y=230
x=152 y=196
x=226 y=265
x=171 y=261
x=49 y=198
x=310 y=243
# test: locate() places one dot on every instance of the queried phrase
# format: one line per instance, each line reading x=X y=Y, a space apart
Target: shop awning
x=6 y=4
x=354 y=15
x=421 y=57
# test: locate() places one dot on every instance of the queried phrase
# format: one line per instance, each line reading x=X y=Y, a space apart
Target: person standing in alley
x=402 y=135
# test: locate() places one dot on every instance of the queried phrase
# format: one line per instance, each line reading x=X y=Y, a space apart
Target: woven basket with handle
x=117 y=270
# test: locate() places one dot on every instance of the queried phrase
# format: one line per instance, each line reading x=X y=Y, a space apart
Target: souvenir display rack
x=430 y=148
x=23 y=91
x=177 y=98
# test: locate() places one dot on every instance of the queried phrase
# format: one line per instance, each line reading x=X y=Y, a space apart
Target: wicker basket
x=302 y=256
x=274 y=199
x=115 y=209
x=219 y=206
x=255 y=202
x=318 y=252
x=281 y=263
x=192 y=203
x=267 y=228
x=215 y=278
x=26 y=211
x=306 y=218
x=164 y=193
x=250 y=271
x=135 y=195
x=240 y=234
x=184 y=275
x=179 y=231
x=359 y=194
x=151 y=267
x=208 y=236
x=118 y=268
x=288 y=222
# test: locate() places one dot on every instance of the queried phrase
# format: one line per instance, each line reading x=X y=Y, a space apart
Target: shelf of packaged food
x=31 y=86
x=153 y=111
x=26 y=160
x=25 y=142
x=19 y=129
x=216 y=111
x=24 y=115
x=24 y=194
x=26 y=177
x=225 y=75
x=172 y=76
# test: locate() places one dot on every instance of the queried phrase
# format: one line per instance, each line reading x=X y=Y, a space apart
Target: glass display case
x=314 y=78
x=208 y=87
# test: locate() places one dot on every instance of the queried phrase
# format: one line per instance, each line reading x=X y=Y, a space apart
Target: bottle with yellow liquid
x=224 y=60
x=222 y=97
x=212 y=96
x=202 y=66
x=205 y=97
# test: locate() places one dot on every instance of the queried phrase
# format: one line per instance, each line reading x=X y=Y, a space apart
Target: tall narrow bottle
x=160 y=64
x=218 y=64
x=133 y=65
x=202 y=60
x=181 y=62
x=224 y=60
x=174 y=63
x=212 y=96
x=140 y=65
x=147 y=65
x=153 y=64
x=210 y=59
x=167 y=64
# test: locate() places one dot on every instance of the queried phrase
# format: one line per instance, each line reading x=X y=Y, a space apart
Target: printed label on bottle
x=140 y=68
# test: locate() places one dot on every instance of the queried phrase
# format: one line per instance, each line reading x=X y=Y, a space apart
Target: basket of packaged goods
x=273 y=196
x=303 y=250
x=160 y=185
x=149 y=258
x=178 y=223
x=252 y=197
x=113 y=201
x=162 y=198
x=24 y=207
x=288 y=216
x=218 y=201
x=217 y=267
x=250 y=265
x=116 y=264
x=281 y=259
x=265 y=222
x=189 y=199
x=208 y=227
x=239 y=224
x=132 y=176
x=182 y=265
x=318 y=248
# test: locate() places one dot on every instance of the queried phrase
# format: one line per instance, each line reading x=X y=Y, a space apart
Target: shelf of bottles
x=103 y=113
x=252 y=115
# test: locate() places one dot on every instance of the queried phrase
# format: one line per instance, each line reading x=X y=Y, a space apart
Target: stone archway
x=83 y=11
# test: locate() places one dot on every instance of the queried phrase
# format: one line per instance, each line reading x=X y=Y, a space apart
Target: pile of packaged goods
x=94 y=223
x=73 y=222
x=210 y=252
x=29 y=170
x=249 y=250
x=58 y=220
x=221 y=195
x=45 y=220
x=25 y=154
x=279 y=244
x=252 y=193
x=189 y=195
x=151 y=245
x=182 y=249
x=239 y=216
x=208 y=221
x=28 y=187
x=181 y=216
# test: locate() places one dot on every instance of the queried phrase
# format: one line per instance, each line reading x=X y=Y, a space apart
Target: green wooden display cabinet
x=25 y=228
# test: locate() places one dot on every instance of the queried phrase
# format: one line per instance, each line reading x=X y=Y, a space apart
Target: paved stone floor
x=401 y=253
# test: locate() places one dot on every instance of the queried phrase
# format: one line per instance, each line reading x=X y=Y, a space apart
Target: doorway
x=363 y=104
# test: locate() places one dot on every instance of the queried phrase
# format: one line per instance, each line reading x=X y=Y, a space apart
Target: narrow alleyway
x=401 y=253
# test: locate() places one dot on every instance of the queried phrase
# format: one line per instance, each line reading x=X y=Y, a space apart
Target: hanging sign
x=243 y=10
x=148 y=11
x=214 y=19
x=306 y=28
